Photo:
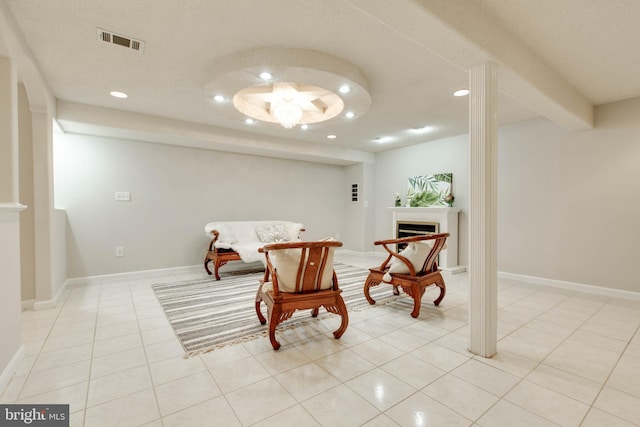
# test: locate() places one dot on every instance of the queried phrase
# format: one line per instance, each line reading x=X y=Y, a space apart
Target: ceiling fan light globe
x=288 y=114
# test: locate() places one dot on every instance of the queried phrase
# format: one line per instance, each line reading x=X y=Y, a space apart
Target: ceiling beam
x=98 y=121
x=462 y=33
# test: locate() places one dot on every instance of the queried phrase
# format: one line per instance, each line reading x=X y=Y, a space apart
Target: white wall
x=393 y=169
x=175 y=191
x=569 y=202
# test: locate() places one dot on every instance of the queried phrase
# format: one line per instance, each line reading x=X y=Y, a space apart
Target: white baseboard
x=161 y=273
x=98 y=279
x=28 y=304
x=237 y=266
x=455 y=270
x=43 y=305
x=11 y=368
x=598 y=290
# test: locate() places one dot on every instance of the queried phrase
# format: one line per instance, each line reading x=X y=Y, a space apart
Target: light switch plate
x=123 y=196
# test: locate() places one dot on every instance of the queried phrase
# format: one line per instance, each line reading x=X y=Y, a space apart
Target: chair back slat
x=307 y=264
x=321 y=268
x=301 y=272
x=431 y=262
x=313 y=264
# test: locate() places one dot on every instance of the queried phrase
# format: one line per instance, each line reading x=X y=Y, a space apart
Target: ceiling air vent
x=120 y=40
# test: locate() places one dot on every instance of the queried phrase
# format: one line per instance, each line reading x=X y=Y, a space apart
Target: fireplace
x=415 y=228
x=412 y=221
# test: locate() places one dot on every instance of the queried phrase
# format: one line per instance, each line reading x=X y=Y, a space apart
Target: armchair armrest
x=411 y=239
x=298 y=245
x=393 y=254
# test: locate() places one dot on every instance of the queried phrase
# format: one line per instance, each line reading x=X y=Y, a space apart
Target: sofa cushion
x=243 y=232
x=231 y=232
x=293 y=230
x=272 y=233
x=248 y=251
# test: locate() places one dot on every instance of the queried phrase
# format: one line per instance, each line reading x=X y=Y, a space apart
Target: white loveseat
x=240 y=240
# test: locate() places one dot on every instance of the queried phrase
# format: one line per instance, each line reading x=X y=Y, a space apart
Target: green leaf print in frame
x=429 y=190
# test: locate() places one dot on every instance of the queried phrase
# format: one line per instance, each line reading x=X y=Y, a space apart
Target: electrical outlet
x=123 y=196
x=338 y=236
x=119 y=251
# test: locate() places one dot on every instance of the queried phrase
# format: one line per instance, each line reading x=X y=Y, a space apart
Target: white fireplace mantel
x=447 y=218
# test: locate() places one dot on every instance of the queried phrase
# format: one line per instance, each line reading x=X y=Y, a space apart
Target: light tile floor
x=564 y=359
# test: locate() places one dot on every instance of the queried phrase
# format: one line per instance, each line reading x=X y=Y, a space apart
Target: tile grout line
x=538 y=363
x=64 y=301
x=604 y=383
x=144 y=349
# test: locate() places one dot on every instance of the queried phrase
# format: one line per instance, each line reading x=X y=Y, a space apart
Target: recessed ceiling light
x=265 y=75
x=249 y=121
x=304 y=127
x=461 y=92
x=218 y=98
x=117 y=94
x=422 y=129
x=344 y=89
x=350 y=114
x=331 y=136
x=383 y=139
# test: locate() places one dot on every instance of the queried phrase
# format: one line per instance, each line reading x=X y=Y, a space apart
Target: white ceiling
x=557 y=58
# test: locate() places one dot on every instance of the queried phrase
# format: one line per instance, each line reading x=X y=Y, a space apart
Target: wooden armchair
x=413 y=269
x=299 y=276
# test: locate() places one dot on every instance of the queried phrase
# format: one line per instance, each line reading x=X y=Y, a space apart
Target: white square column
x=11 y=350
x=483 y=229
x=8 y=131
x=42 y=140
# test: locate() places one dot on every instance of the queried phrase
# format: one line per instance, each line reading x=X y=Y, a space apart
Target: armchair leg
x=367 y=284
x=274 y=317
x=344 y=315
x=261 y=318
x=272 y=337
x=206 y=266
x=216 y=267
x=443 y=290
x=416 y=293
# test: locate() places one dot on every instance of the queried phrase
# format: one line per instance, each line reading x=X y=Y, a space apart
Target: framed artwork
x=430 y=190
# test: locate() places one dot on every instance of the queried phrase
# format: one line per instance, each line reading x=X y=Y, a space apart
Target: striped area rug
x=206 y=314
